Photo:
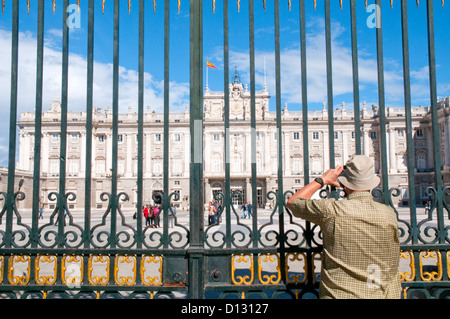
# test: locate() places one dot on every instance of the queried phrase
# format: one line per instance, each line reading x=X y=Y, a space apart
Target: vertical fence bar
x=381 y=104
x=38 y=124
x=140 y=139
x=140 y=134
x=10 y=196
x=115 y=124
x=89 y=106
x=439 y=197
x=356 y=111
x=309 y=233
x=332 y=162
x=88 y=160
x=304 y=79
x=253 y=115
x=280 y=195
x=255 y=235
x=408 y=122
x=62 y=205
x=10 y=201
x=226 y=110
x=166 y=122
x=196 y=250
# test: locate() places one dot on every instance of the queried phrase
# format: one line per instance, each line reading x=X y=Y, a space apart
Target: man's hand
x=331 y=175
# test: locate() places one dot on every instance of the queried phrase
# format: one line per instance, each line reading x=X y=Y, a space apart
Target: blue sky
x=213 y=51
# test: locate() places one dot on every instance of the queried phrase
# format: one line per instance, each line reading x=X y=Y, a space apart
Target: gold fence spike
x=78 y=4
x=340 y=2
x=442 y=3
x=289 y=5
x=54 y=6
x=179 y=5
x=103 y=6
x=129 y=6
x=366 y=5
x=28 y=6
x=3 y=6
x=154 y=6
x=239 y=5
x=315 y=4
x=214 y=6
x=392 y=4
x=417 y=1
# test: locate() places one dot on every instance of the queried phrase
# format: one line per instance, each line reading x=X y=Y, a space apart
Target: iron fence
x=110 y=258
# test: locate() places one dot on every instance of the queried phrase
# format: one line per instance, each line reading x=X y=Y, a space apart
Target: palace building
x=240 y=149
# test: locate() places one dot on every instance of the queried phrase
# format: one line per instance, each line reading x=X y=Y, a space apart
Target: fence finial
x=78 y=6
x=103 y=6
x=179 y=5
x=28 y=6
x=129 y=6
x=239 y=5
x=154 y=6
x=54 y=6
x=366 y=4
x=289 y=5
x=264 y=5
x=214 y=6
x=340 y=3
x=315 y=4
x=3 y=6
x=392 y=4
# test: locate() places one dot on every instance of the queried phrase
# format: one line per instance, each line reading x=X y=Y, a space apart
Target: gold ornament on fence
x=78 y=6
x=103 y=6
x=315 y=5
x=54 y=6
x=264 y=5
x=28 y=6
x=129 y=6
x=289 y=5
x=239 y=5
x=340 y=3
x=179 y=5
x=3 y=6
x=154 y=6
x=392 y=4
x=366 y=4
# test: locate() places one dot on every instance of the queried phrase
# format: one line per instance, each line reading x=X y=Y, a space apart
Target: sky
x=213 y=52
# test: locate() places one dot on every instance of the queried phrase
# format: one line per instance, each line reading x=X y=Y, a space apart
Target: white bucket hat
x=359 y=174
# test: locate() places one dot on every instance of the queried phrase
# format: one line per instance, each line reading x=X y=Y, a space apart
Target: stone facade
x=240 y=149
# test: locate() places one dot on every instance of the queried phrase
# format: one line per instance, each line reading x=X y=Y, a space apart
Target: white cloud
x=103 y=74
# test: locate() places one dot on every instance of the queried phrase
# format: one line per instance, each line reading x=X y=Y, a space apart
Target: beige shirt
x=361 y=250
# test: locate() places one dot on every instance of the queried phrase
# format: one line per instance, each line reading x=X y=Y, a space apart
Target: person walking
x=249 y=210
x=243 y=210
x=41 y=211
x=361 y=250
x=146 y=213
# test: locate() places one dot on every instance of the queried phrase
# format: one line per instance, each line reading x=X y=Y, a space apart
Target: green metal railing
x=201 y=261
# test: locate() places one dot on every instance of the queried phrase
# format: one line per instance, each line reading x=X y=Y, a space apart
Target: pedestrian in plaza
x=361 y=250
x=427 y=208
x=211 y=213
x=156 y=216
x=41 y=211
x=146 y=213
x=249 y=210
x=244 y=209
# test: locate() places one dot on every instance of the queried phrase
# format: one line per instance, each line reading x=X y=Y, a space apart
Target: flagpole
x=207 y=77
